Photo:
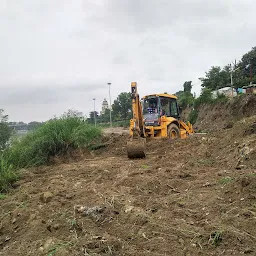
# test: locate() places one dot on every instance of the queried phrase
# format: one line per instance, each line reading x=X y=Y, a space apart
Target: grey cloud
x=60 y=54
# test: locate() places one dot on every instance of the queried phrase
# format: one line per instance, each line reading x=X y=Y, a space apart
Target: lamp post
x=94 y=112
x=232 y=70
x=110 y=106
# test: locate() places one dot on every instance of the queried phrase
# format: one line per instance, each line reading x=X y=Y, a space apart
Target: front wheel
x=173 y=132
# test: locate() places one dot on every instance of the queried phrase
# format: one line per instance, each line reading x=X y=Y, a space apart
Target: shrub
x=221 y=98
x=193 y=116
x=7 y=173
x=53 y=138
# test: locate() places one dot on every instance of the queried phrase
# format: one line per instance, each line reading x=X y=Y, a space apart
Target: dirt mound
x=223 y=115
x=235 y=147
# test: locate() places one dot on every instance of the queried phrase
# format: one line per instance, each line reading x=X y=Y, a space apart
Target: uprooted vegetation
x=54 y=138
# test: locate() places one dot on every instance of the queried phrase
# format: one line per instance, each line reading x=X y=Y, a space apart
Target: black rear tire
x=173 y=132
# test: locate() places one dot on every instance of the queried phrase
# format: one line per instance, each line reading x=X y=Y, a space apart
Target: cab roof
x=162 y=95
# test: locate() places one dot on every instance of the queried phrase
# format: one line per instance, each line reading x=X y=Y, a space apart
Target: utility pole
x=232 y=69
x=250 y=72
x=110 y=105
x=94 y=112
x=231 y=79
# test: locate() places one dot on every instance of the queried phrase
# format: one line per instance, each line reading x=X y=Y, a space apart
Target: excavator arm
x=136 y=125
x=136 y=145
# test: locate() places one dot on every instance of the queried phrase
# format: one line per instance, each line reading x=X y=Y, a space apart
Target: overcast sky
x=60 y=54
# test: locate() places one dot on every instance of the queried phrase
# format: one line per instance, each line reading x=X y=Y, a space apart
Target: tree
x=245 y=69
x=185 y=97
x=91 y=116
x=5 y=130
x=187 y=86
x=122 y=106
x=216 y=78
x=105 y=117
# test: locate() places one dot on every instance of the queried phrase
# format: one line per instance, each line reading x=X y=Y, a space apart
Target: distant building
x=104 y=106
x=227 y=91
x=250 y=88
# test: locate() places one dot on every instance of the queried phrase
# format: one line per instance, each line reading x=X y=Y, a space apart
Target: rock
x=49 y=242
x=46 y=197
x=69 y=196
x=245 y=182
x=56 y=226
x=129 y=208
x=7 y=239
x=248 y=251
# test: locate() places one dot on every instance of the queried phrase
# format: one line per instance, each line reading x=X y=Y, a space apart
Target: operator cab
x=155 y=106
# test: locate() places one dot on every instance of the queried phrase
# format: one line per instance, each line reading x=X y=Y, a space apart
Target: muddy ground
x=187 y=197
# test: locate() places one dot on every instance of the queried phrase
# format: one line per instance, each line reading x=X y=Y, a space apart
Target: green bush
x=53 y=138
x=221 y=98
x=204 y=98
x=8 y=175
x=193 y=116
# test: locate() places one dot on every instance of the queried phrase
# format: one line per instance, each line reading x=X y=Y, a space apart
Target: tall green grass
x=53 y=138
x=8 y=174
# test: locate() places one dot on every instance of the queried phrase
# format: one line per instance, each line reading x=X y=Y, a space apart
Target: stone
x=46 y=197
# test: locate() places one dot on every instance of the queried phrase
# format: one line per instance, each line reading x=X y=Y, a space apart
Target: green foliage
x=216 y=78
x=55 y=137
x=193 y=115
x=225 y=180
x=105 y=117
x=5 y=131
x=204 y=98
x=185 y=97
x=3 y=196
x=187 y=86
x=7 y=173
x=122 y=106
x=216 y=237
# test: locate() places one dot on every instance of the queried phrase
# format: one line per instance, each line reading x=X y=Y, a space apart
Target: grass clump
x=193 y=115
x=3 y=196
x=225 y=180
x=8 y=175
x=55 y=137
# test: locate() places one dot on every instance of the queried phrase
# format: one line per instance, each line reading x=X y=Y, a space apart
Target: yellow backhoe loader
x=154 y=116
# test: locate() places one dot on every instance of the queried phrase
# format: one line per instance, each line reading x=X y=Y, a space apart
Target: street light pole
x=94 y=112
x=110 y=106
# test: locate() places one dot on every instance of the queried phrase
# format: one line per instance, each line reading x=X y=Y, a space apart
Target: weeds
x=2 y=196
x=56 y=247
x=216 y=238
x=55 y=137
x=193 y=115
x=7 y=173
x=225 y=180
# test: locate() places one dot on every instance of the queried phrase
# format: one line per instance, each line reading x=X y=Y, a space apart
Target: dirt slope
x=225 y=115
x=190 y=197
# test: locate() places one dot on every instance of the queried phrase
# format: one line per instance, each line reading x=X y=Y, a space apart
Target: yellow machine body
x=163 y=124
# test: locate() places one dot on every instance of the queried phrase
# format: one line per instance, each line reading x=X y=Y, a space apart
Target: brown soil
x=187 y=197
x=225 y=115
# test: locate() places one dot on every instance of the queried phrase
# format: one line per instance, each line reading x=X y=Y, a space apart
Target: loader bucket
x=136 y=148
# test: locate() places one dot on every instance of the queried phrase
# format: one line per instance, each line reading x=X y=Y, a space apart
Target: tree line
x=121 y=110
x=243 y=72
